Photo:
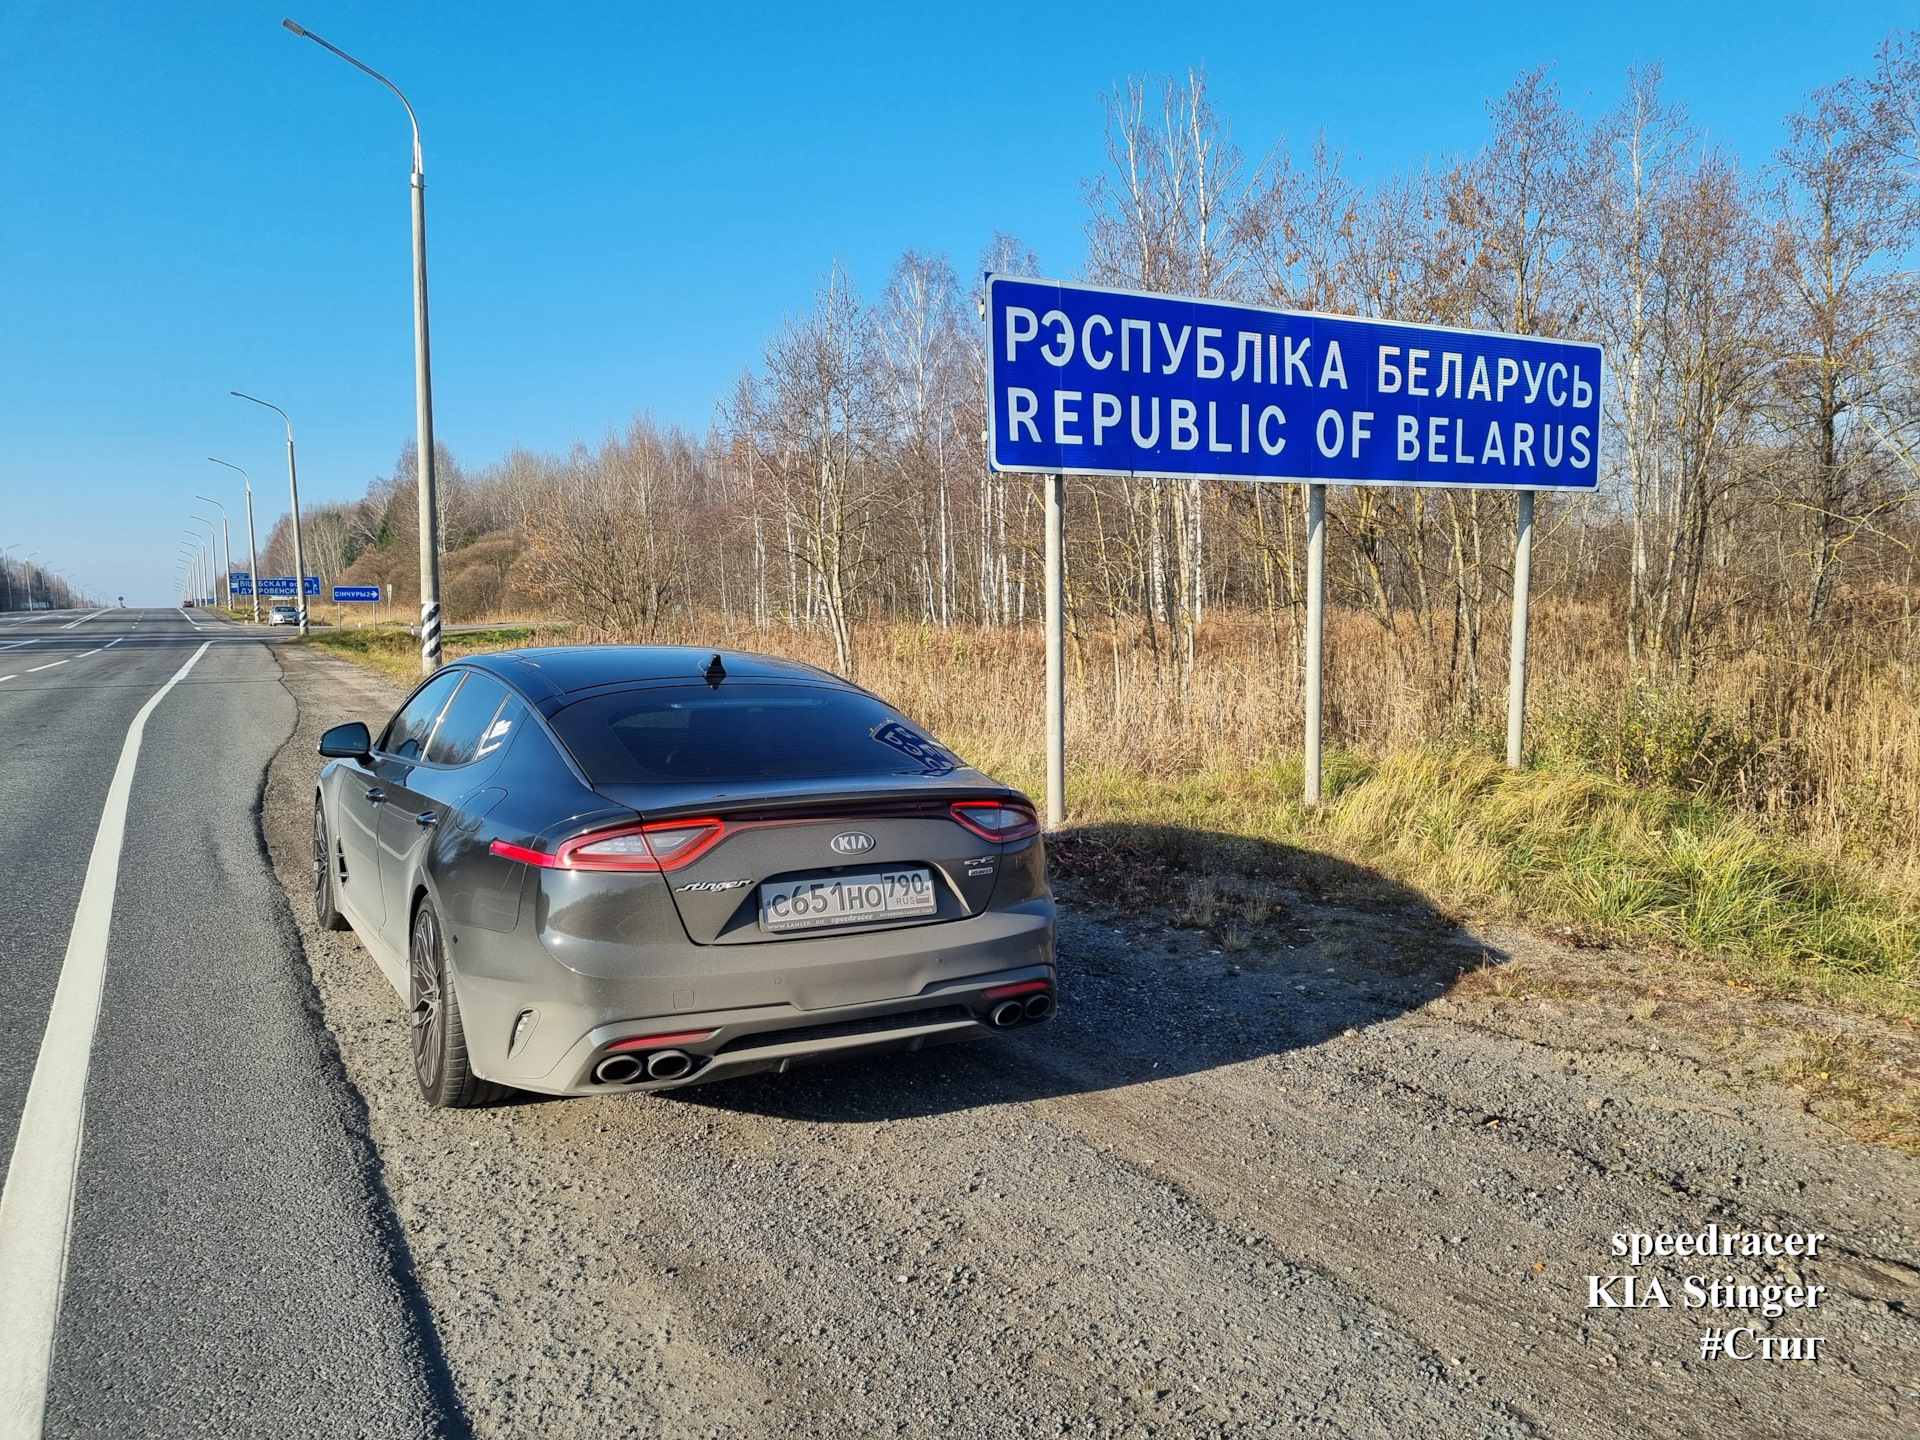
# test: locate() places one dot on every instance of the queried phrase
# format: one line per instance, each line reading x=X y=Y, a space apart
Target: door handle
x=426 y=818
x=376 y=795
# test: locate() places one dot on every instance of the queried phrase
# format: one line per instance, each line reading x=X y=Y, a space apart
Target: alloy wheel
x=320 y=877
x=424 y=1016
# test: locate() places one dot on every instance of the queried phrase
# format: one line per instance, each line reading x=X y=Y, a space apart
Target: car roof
x=564 y=673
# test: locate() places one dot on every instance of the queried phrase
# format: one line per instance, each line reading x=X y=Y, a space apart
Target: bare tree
x=1714 y=293
x=923 y=385
x=1176 y=211
x=821 y=417
x=1635 y=154
x=609 y=545
x=1840 y=224
x=1520 y=196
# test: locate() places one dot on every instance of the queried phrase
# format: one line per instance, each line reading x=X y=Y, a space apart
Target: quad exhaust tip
x=1023 y=1009
x=618 y=1070
x=668 y=1064
x=660 y=1065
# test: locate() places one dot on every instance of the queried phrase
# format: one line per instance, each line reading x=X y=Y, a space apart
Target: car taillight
x=664 y=845
x=614 y=852
x=677 y=842
x=996 y=819
x=522 y=853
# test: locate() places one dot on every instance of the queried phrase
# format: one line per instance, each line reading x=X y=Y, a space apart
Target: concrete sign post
x=1316 y=629
x=1056 y=651
x=1517 y=644
x=1113 y=382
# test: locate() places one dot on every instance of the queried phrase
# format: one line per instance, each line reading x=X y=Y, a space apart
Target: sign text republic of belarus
x=1110 y=382
x=1094 y=381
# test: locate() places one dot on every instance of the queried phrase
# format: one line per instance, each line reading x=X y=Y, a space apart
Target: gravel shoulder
x=1349 y=1175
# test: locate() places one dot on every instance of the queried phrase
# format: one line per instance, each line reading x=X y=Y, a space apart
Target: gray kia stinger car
x=605 y=868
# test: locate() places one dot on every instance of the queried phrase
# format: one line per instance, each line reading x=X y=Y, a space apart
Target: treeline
x=1762 y=411
x=24 y=585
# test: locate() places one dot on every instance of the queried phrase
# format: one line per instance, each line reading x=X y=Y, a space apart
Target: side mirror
x=346 y=742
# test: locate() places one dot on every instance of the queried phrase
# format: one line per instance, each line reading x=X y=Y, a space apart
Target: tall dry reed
x=1831 y=757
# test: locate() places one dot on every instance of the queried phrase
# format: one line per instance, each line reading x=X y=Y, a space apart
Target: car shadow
x=1180 y=950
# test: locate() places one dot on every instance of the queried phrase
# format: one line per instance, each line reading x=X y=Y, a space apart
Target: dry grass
x=1652 y=819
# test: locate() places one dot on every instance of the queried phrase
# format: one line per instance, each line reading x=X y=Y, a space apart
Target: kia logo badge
x=852 y=842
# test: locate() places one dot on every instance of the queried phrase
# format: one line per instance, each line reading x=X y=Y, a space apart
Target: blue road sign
x=1112 y=382
x=356 y=594
x=242 y=582
x=283 y=585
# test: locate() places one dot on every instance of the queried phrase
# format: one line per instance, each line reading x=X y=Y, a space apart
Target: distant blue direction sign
x=283 y=585
x=242 y=582
x=356 y=594
x=1113 y=382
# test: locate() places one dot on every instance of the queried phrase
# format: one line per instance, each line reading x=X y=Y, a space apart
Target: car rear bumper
x=878 y=991
x=738 y=1044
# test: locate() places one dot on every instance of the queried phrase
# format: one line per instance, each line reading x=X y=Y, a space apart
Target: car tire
x=325 y=910
x=434 y=1030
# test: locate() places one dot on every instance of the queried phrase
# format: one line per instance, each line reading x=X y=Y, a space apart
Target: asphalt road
x=233 y=1265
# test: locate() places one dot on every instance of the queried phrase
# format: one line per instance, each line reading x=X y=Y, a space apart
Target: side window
x=408 y=732
x=502 y=728
x=465 y=723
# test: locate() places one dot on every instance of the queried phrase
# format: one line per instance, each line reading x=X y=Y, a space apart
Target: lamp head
x=293 y=27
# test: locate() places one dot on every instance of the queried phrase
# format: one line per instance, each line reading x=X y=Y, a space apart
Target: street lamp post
x=253 y=556
x=226 y=539
x=213 y=557
x=422 y=381
x=202 y=572
x=293 y=489
x=6 y=568
x=27 y=562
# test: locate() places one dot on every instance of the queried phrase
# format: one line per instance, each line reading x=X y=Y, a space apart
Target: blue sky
x=625 y=198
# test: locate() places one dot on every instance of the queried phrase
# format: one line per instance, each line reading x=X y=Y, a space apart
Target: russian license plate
x=845 y=899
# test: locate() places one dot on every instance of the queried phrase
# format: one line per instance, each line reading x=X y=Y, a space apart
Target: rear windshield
x=743 y=732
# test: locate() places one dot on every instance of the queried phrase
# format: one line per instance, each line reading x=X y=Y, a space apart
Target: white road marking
x=48 y=666
x=36 y=1207
x=111 y=643
x=83 y=619
x=6 y=677
x=16 y=644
